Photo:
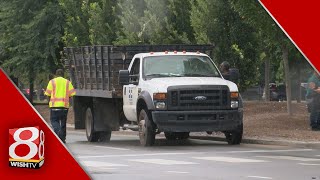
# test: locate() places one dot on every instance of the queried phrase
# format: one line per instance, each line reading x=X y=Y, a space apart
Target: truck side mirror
x=124 y=77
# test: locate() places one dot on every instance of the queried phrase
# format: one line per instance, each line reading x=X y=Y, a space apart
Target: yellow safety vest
x=59 y=90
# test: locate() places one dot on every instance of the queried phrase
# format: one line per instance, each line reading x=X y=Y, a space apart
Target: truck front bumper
x=197 y=121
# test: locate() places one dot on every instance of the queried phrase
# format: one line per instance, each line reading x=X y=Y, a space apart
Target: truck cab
x=178 y=93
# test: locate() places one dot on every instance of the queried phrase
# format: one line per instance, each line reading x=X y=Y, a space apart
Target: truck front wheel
x=146 y=129
x=234 y=137
x=92 y=135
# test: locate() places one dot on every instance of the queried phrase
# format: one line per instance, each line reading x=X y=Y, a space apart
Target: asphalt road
x=124 y=158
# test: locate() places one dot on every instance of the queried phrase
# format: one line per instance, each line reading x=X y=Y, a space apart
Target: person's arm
x=48 y=91
x=71 y=90
x=317 y=90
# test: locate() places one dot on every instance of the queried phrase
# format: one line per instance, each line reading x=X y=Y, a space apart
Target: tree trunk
x=39 y=91
x=267 y=79
x=285 y=53
x=299 y=85
x=31 y=85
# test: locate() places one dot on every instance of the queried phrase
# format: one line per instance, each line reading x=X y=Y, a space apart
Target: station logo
x=26 y=147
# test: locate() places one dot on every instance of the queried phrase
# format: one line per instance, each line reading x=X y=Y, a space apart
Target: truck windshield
x=179 y=66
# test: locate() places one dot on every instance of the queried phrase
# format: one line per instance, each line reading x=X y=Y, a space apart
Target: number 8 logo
x=33 y=147
x=41 y=145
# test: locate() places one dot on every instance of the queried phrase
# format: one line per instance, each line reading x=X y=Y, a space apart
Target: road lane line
x=308 y=164
x=294 y=158
x=260 y=177
x=263 y=151
x=113 y=148
x=99 y=164
x=178 y=172
x=162 y=161
x=230 y=159
x=136 y=155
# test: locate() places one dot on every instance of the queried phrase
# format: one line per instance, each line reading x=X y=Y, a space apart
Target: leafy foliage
x=33 y=32
x=148 y=22
x=30 y=37
x=236 y=42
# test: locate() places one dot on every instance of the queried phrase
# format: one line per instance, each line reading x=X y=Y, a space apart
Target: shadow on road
x=160 y=142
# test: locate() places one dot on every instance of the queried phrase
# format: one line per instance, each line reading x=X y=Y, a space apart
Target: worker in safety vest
x=60 y=90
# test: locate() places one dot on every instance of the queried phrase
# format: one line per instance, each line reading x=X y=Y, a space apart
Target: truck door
x=130 y=94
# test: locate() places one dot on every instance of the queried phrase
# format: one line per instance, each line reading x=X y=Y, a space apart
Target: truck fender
x=146 y=97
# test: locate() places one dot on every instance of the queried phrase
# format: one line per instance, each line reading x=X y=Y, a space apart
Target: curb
x=299 y=144
x=282 y=142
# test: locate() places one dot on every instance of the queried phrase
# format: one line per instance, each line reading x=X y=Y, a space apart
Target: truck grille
x=198 y=98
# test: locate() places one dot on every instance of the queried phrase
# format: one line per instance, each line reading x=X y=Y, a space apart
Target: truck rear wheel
x=105 y=136
x=146 y=129
x=234 y=137
x=79 y=108
x=92 y=135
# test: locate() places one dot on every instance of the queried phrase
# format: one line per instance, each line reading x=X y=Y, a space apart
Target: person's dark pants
x=315 y=117
x=58 y=118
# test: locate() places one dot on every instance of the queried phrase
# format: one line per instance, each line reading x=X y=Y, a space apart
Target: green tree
x=257 y=17
x=102 y=22
x=130 y=13
x=179 y=16
x=147 y=22
x=215 y=21
x=76 y=29
x=31 y=37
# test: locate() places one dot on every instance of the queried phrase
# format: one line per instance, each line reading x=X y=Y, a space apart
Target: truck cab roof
x=170 y=53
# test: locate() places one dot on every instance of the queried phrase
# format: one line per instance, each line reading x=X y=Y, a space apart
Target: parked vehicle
x=277 y=92
x=26 y=93
x=152 y=89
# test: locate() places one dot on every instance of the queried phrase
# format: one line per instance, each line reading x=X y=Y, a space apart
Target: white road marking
x=230 y=159
x=162 y=161
x=99 y=168
x=178 y=172
x=263 y=151
x=136 y=155
x=308 y=164
x=99 y=164
x=290 y=158
x=114 y=148
x=260 y=177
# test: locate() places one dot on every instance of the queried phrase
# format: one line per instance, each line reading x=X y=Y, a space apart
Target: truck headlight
x=234 y=100
x=234 y=104
x=160 y=105
x=160 y=100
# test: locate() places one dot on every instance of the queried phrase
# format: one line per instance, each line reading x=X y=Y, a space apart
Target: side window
x=135 y=70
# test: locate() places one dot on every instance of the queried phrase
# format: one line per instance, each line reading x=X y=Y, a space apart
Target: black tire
x=92 y=135
x=146 y=129
x=79 y=108
x=176 y=135
x=105 y=136
x=234 y=137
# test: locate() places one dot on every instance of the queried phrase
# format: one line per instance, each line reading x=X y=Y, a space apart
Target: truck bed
x=94 y=70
